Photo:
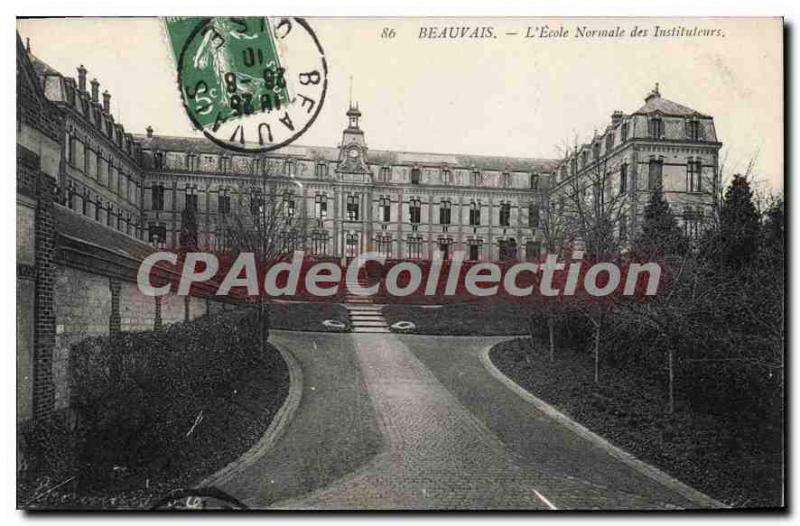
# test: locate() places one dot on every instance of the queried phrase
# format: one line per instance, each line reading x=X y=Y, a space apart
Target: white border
x=788 y=8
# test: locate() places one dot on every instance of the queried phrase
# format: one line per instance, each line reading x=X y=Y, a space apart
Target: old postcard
x=400 y=263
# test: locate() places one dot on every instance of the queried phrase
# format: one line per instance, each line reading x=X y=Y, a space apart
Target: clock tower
x=353 y=150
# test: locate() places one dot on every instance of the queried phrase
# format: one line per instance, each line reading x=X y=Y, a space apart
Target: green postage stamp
x=249 y=83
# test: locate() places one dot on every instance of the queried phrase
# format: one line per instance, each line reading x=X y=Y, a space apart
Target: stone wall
x=85 y=307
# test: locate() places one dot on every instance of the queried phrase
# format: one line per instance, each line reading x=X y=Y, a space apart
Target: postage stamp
x=250 y=83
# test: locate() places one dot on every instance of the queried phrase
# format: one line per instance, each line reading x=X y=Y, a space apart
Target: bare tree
x=266 y=220
x=594 y=202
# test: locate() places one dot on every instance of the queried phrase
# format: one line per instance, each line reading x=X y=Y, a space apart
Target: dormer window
x=693 y=130
x=656 y=128
x=609 y=141
x=535 y=181
x=506 y=179
x=415 y=175
x=446 y=175
x=476 y=177
x=624 y=131
x=596 y=151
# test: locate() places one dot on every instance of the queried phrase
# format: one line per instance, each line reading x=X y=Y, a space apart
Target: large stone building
x=399 y=204
x=661 y=145
x=93 y=200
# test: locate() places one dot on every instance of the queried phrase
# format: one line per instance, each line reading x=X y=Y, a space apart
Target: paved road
x=416 y=422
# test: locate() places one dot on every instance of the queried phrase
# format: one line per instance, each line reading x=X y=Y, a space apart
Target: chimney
x=149 y=131
x=107 y=101
x=95 y=90
x=653 y=94
x=81 y=78
x=616 y=118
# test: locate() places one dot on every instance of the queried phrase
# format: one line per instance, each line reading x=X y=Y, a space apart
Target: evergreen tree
x=738 y=237
x=660 y=235
x=188 y=236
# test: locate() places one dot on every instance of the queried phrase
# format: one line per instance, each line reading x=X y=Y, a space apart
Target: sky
x=508 y=95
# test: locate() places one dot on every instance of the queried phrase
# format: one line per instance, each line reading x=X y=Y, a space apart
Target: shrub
x=137 y=395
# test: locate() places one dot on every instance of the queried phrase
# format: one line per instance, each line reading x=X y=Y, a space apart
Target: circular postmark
x=251 y=84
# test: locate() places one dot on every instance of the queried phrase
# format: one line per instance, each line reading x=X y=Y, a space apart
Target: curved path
x=417 y=422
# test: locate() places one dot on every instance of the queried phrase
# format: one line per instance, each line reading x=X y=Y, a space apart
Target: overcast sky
x=502 y=96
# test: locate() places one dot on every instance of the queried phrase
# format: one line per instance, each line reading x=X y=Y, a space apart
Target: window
x=158 y=159
x=384 y=209
x=507 y=249
x=584 y=158
x=609 y=141
x=692 y=223
x=445 y=244
x=290 y=167
x=225 y=164
x=288 y=241
x=474 y=248
x=319 y=242
x=656 y=128
x=505 y=214
x=157 y=233
x=414 y=247
x=256 y=205
x=224 y=204
x=693 y=130
x=321 y=170
x=386 y=174
x=445 y=176
x=158 y=197
x=623 y=178
x=288 y=204
x=191 y=202
x=655 y=174
x=694 y=169
x=533 y=215
x=474 y=214
x=506 y=179
x=352 y=208
x=535 y=181
x=624 y=132
x=351 y=245
x=321 y=206
x=532 y=250
x=596 y=151
x=414 y=208
x=415 y=175
x=444 y=212
x=384 y=243
x=476 y=177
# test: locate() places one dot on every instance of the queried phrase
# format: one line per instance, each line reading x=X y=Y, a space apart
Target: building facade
x=354 y=200
x=662 y=145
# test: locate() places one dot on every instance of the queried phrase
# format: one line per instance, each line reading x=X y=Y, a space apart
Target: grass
x=307 y=316
x=734 y=457
x=462 y=319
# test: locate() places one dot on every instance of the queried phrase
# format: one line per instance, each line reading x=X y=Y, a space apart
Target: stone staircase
x=363 y=314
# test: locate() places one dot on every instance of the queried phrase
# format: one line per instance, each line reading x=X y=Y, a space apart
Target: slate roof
x=326 y=153
x=667 y=107
x=80 y=227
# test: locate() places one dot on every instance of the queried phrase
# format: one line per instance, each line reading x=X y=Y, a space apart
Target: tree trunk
x=597 y=354
x=671 y=367
x=552 y=334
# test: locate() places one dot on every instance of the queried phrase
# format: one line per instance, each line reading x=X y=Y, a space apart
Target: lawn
x=735 y=458
x=307 y=316
x=462 y=319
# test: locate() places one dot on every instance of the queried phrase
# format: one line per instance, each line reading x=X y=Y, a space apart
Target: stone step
x=366 y=317
x=368 y=324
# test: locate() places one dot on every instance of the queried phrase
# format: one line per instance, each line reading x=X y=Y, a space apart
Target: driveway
x=416 y=422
